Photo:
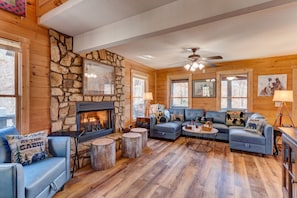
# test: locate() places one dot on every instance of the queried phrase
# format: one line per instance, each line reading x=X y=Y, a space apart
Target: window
x=9 y=56
x=138 y=103
x=179 y=93
x=234 y=92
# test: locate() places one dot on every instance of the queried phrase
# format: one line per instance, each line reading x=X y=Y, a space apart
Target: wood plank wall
x=130 y=67
x=262 y=66
x=43 y=6
x=13 y=26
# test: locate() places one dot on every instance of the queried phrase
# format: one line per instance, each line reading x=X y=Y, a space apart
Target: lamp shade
x=283 y=96
x=148 y=96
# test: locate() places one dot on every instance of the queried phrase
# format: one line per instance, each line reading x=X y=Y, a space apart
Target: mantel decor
x=98 y=78
x=204 y=88
x=17 y=7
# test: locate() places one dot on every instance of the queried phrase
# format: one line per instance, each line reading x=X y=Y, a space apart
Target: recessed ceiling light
x=146 y=57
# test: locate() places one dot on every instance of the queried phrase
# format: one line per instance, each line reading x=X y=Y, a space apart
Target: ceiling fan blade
x=215 y=57
x=207 y=63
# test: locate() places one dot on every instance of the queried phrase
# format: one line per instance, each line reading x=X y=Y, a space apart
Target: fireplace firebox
x=94 y=119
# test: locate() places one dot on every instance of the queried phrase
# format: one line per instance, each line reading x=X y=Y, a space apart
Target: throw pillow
x=255 y=125
x=159 y=115
x=235 y=118
x=172 y=117
x=179 y=117
x=163 y=119
x=26 y=149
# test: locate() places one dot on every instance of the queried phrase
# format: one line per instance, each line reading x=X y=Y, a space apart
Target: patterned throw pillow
x=179 y=117
x=235 y=118
x=26 y=149
x=159 y=115
x=255 y=125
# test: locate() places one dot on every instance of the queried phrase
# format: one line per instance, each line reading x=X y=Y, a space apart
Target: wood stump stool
x=143 y=133
x=103 y=154
x=131 y=145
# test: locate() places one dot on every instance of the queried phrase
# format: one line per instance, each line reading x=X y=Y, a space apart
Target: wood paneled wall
x=26 y=29
x=262 y=66
x=43 y=6
x=132 y=66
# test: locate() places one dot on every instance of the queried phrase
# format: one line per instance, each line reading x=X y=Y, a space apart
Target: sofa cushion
x=26 y=149
x=235 y=118
x=5 y=152
x=240 y=135
x=191 y=114
x=221 y=127
x=38 y=175
x=170 y=127
x=219 y=117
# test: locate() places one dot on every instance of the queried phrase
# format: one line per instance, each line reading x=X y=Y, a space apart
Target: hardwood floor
x=170 y=169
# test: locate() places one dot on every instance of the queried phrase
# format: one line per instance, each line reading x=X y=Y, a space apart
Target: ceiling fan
x=196 y=61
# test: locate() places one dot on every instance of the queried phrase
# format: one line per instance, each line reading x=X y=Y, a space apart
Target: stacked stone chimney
x=66 y=82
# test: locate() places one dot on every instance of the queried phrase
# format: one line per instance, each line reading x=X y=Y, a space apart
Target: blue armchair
x=39 y=179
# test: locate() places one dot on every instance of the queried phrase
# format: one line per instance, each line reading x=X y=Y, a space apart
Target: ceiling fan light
x=187 y=66
x=195 y=65
x=201 y=66
x=192 y=69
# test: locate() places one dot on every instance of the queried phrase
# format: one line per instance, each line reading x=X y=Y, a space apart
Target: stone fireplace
x=66 y=92
x=94 y=119
x=66 y=83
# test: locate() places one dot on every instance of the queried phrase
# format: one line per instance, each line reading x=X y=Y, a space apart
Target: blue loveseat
x=39 y=179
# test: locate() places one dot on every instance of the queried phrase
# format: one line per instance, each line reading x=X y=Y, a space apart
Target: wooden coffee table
x=198 y=144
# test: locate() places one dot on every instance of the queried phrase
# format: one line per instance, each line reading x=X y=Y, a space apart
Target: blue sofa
x=237 y=136
x=39 y=179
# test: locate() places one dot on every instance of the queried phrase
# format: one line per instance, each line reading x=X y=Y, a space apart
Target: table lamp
x=148 y=97
x=282 y=96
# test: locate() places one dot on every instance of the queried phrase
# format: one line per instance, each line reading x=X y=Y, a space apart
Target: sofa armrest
x=268 y=134
x=153 y=121
x=12 y=180
x=60 y=147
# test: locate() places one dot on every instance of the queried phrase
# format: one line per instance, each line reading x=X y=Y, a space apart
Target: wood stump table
x=143 y=133
x=103 y=154
x=131 y=145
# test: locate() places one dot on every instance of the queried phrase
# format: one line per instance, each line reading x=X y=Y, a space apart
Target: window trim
x=23 y=124
x=140 y=75
x=179 y=77
x=249 y=73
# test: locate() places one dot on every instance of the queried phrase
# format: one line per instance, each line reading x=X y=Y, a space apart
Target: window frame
x=17 y=56
x=141 y=76
x=179 y=77
x=249 y=73
x=23 y=123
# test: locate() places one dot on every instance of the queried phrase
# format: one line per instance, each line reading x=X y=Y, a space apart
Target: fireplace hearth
x=94 y=119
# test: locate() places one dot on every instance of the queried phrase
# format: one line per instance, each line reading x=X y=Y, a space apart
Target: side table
x=277 y=133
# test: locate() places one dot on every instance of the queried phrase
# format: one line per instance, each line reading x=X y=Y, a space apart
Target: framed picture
x=268 y=83
x=17 y=7
x=204 y=88
x=98 y=78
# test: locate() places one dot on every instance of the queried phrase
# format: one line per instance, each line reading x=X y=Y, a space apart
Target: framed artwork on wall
x=204 y=88
x=268 y=83
x=98 y=78
x=17 y=7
